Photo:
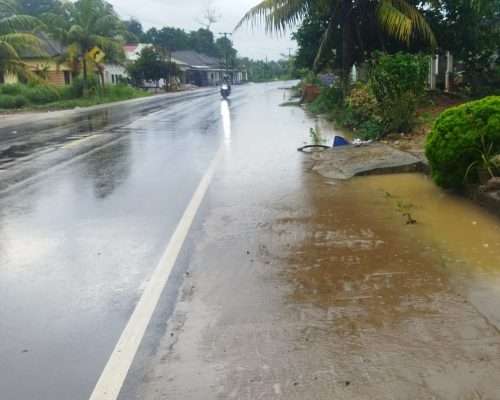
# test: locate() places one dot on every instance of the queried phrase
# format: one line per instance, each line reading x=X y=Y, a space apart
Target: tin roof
x=195 y=59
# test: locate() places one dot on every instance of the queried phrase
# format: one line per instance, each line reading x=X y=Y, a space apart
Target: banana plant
x=17 y=35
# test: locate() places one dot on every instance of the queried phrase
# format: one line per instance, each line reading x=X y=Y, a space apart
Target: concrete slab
x=346 y=162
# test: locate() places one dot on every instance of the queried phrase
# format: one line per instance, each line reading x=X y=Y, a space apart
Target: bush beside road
x=47 y=97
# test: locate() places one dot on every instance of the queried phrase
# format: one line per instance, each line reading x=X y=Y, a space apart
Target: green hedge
x=387 y=103
x=456 y=140
x=328 y=99
x=42 y=94
x=14 y=96
x=12 y=89
x=398 y=83
x=11 y=102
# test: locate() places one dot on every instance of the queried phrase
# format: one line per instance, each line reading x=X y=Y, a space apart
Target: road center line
x=115 y=372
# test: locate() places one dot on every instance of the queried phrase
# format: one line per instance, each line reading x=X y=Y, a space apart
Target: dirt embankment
x=414 y=141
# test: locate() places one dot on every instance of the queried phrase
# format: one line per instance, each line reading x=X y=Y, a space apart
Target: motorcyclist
x=225 y=81
x=225 y=90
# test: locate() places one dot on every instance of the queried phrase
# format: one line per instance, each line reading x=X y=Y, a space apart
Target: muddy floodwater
x=406 y=278
x=302 y=287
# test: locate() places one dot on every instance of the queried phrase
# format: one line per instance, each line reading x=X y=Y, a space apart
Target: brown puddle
x=358 y=258
x=462 y=231
x=402 y=310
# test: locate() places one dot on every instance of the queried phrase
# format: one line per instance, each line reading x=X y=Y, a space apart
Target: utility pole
x=226 y=56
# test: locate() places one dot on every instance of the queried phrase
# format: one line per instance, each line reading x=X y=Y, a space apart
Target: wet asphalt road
x=78 y=245
x=290 y=285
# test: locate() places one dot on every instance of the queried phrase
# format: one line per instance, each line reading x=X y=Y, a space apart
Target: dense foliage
x=464 y=136
x=308 y=37
x=471 y=31
x=17 y=34
x=262 y=71
x=151 y=66
x=83 y=26
x=398 y=82
x=174 y=39
x=346 y=31
x=386 y=103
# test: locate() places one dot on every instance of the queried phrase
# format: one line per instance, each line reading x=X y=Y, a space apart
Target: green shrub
x=78 y=84
x=360 y=113
x=120 y=92
x=6 y=102
x=362 y=100
x=20 y=101
x=66 y=92
x=12 y=89
x=457 y=137
x=398 y=83
x=42 y=94
x=370 y=129
x=328 y=99
x=310 y=78
x=11 y=102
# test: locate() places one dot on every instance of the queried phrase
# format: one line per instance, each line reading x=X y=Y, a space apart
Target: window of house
x=67 y=77
x=113 y=78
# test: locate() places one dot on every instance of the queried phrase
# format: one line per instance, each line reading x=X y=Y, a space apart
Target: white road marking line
x=113 y=376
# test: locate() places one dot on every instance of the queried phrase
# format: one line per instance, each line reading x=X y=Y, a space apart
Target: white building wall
x=114 y=73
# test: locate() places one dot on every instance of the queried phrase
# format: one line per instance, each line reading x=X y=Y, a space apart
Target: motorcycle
x=225 y=91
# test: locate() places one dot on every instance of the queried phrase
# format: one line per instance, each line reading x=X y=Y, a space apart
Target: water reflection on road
x=304 y=287
x=226 y=121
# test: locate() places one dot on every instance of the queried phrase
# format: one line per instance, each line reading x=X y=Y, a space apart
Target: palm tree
x=16 y=36
x=84 y=25
x=397 y=18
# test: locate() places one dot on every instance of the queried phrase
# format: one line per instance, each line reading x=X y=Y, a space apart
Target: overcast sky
x=187 y=13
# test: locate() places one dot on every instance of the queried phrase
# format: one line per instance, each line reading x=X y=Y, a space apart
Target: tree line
x=337 y=34
x=84 y=25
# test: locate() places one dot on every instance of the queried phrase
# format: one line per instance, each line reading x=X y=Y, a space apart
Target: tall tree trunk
x=324 y=41
x=101 y=74
x=347 y=43
x=332 y=22
x=381 y=39
x=359 y=39
x=85 y=86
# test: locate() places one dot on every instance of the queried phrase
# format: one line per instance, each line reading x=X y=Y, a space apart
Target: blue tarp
x=339 y=141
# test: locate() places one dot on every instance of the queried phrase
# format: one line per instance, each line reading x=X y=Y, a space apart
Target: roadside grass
x=427 y=117
x=87 y=101
x=18 y=97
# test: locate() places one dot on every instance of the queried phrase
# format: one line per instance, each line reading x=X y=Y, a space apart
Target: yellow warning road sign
x=96 y=54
